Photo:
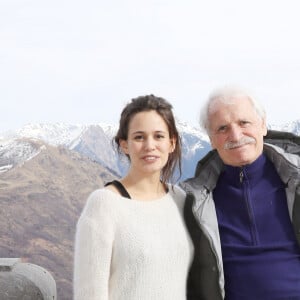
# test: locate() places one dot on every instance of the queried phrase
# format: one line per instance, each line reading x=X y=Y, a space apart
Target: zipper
x=249 y=207
x=241 y=175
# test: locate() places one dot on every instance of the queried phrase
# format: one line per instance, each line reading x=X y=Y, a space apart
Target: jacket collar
x=207 y=173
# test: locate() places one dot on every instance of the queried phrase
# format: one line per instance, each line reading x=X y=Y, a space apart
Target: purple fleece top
x=260 y=254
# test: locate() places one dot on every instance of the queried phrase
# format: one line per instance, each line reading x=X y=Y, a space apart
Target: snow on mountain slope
x=293 y=126
x=95 y=142
x=16 y=151
x=51 y=133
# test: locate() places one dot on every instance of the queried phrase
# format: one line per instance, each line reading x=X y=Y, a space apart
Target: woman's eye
x=138 y=137
x=160 y=136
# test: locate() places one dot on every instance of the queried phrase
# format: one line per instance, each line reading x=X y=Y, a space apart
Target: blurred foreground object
x=25 y=281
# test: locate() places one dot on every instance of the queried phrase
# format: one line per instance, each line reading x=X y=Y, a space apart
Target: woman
x=131 y=242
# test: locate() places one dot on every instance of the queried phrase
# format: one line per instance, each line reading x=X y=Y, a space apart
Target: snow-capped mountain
x=51 y=133
x=95 y=142
x=293 y=126
x=16 y=151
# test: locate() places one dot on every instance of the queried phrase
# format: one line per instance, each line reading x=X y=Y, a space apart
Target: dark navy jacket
x=206 y=278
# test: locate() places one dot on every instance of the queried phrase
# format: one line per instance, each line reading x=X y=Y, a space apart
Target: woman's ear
x=124 y=146
x=173 y=144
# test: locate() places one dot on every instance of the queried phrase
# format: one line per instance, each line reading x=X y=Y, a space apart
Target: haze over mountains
x=46 y=173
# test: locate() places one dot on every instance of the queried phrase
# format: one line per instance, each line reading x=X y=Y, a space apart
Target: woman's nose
x=150 y=144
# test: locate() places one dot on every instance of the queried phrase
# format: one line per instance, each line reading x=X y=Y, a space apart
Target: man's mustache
x=243 y=141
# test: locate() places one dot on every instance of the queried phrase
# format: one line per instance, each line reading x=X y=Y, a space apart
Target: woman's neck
x=143 y=188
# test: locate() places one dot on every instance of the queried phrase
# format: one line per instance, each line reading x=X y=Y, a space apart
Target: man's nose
x=235 y=133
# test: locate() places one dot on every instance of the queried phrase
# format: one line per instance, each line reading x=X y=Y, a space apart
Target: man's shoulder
x=207 y=172
x=288 y=141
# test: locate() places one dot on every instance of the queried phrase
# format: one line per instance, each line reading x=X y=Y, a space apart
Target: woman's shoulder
x=98 y=212
x=100 y=201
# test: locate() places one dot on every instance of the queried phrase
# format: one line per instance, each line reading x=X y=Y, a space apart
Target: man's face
x=236 y=131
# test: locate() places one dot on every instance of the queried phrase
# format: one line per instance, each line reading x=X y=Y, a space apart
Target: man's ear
x=264 y=126
x=211 y=142
x=124 y=146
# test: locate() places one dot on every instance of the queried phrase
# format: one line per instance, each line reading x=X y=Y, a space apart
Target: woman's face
x=148 y=144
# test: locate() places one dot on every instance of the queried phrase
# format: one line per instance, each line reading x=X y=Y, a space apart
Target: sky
x=80 y=62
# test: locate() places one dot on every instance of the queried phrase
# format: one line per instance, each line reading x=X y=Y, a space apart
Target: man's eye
x=243 y=123
x=222 y=129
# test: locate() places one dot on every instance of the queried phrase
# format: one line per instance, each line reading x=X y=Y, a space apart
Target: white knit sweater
x=127 y=249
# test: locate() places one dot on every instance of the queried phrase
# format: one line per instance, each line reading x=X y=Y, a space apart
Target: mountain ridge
x=95 y=141
x=41 y=200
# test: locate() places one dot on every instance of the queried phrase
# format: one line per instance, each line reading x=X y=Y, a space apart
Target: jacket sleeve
x=93 y=251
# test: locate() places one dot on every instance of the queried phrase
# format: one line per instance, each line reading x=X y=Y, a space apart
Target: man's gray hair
x=225 y=95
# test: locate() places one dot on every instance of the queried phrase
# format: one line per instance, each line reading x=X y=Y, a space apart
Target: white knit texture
x=132 y=250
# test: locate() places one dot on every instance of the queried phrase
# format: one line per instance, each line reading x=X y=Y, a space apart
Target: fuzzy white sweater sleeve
x=131 y=250
x=93 y=250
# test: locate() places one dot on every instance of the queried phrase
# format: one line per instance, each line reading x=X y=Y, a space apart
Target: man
x=243 y=208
